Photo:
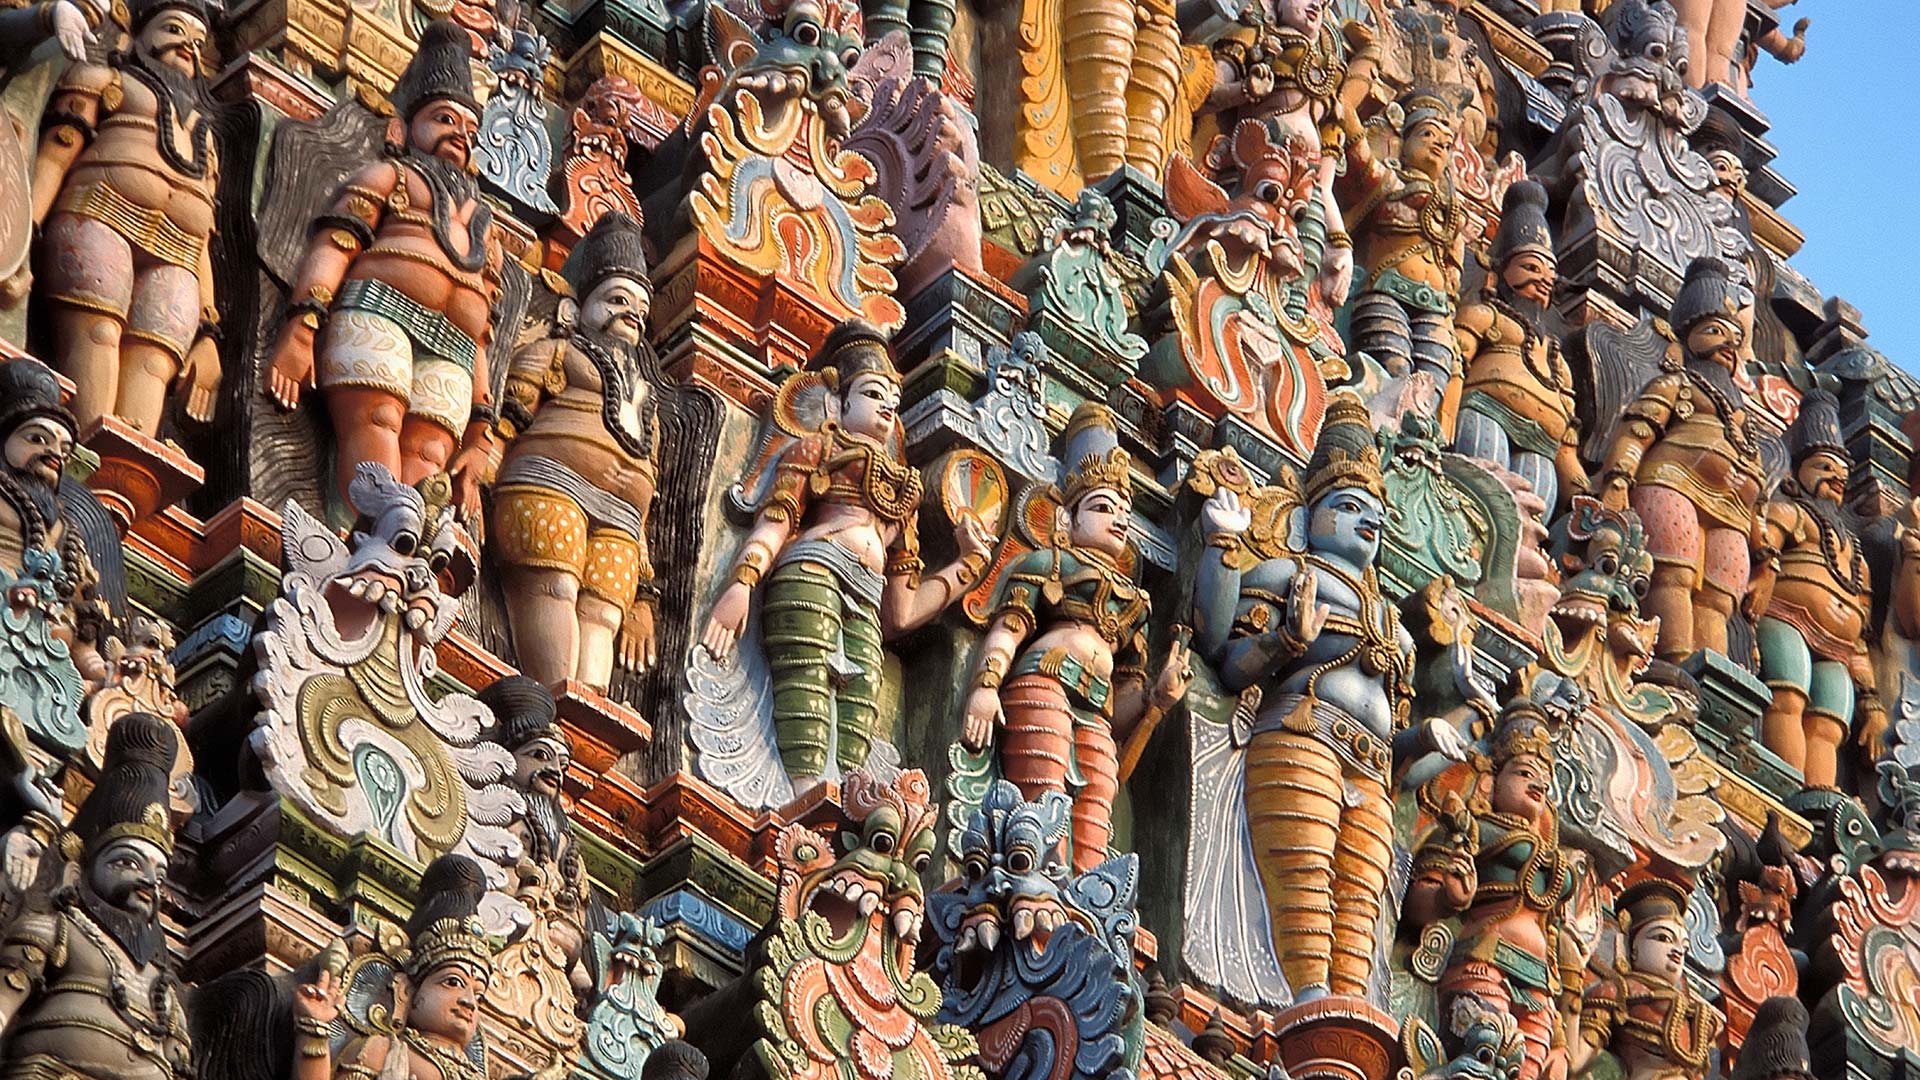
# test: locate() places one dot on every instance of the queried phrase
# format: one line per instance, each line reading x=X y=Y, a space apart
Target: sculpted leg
x=425 y=448
x=541 y=606
x=801 y=638
x=1678 y=547
x=1787 y=666
x=90 y=356
x=1093 y=807
x=1099 y=61
x=89 y=277
x=1293 y=811
x=1151 y=90
x=1362 y=862
x=541 y=539
x=1724 y=579
x=608 y=584
x=161 y=326
x=366 y=425
x=859 y=696
x=1826 y=722
x=1037 y=746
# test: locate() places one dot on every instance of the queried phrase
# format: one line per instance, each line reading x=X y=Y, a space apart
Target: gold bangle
x=988 y=679
x=746 y=574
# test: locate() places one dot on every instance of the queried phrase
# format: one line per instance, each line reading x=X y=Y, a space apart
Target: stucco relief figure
x=1410 y=232
x=1647 y=1015
x=1507 y=955
x=1313 y=630
x=391 y=310
x=22 y=29
x=834 y=553
x=1517 y=401
x=1812 y=600
x=1686 y=458
x=578 y=479
x=1285 y=66
x=431 y=1030
x=87 y=989
x=1062 y=671
x=124 y=192
x=1719 y=47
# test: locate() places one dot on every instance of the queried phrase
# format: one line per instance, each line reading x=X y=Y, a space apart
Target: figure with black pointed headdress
x=124 y=190
x=87 y=990
x=1811 y=599
x=392 y=306
x=1516 y=404
x=1409 y=222
x=1686 y=457
x=581 y=468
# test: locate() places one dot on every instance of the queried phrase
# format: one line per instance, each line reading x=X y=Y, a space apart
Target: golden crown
x=1343 y=468
x=450 y=941
x=1523 y=732
x=152 y=827
x=1113 y=469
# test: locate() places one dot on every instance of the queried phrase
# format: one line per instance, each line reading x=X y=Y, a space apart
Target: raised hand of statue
x=291 y=373
x=1444 y=739
x=728 y=621
x=1176 y=675
x=1223 y=514
x=201 y=375
x=970 y=535
x=636 y=638
x=983 y=716
x=1306 y=616
x=321 y=999
x=70 y=30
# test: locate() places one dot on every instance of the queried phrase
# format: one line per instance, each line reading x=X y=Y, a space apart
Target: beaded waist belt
x=151 y=230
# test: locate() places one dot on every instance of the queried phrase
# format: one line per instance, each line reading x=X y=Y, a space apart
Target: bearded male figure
x=524 y=711
x=578 y=478
x=87 y=991
x=1517 y=409
x=36 y=438
x=1811 y=597
x=403 y=271
x=124 y=187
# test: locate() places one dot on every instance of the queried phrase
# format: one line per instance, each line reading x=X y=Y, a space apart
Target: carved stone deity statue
x=1647 y=1015
x=1312 y=629
x=1812 y=602
x=124 y=189
x=1061 y=672
x=578 y=479
x=36 y=439
x=435 y=1022
x=1507 y=954
x=1409 y=224
x=402 y=272
x=835 y=504
x=53 y=540
x=1719 y=48
x=22 y=29
x=1686 y=457
x=87 y=990
x=1284 y=66
x=1516 y=405
x=549 y=861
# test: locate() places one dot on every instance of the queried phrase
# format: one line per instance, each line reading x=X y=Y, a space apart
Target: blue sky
x=1844 y=122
